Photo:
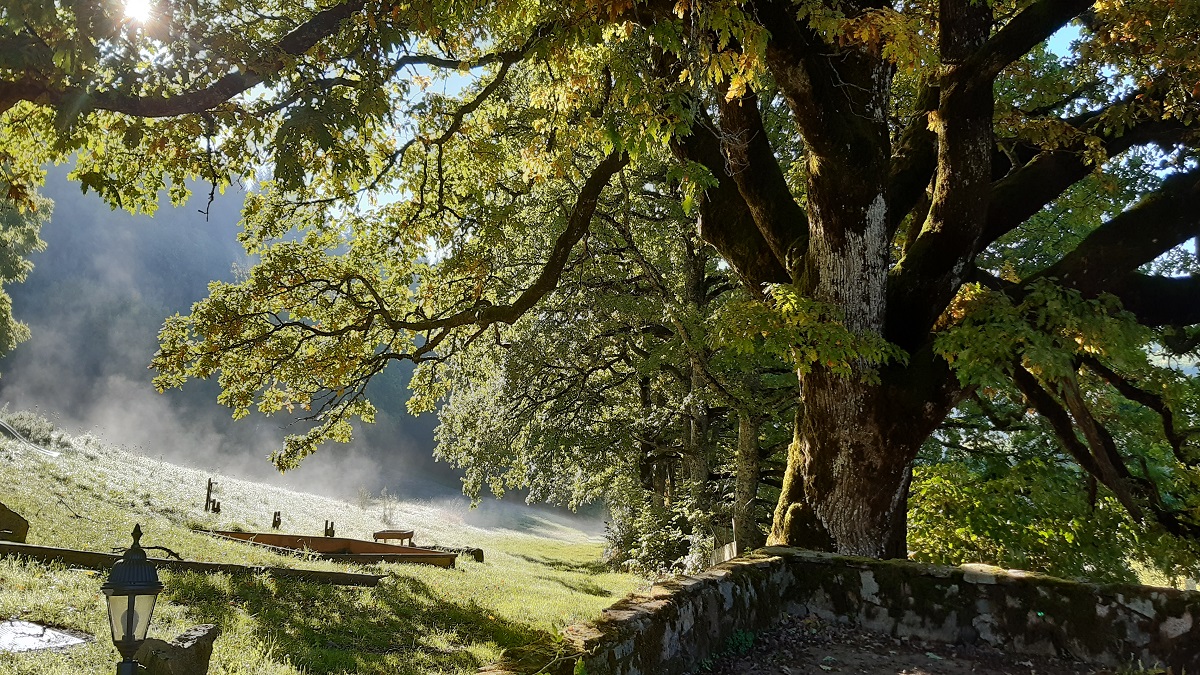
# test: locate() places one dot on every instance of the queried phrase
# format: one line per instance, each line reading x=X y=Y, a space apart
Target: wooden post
x=276 y=521
x=329 y=528
x=209 y=504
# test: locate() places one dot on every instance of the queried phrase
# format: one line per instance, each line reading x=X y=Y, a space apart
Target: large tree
x=931 y=203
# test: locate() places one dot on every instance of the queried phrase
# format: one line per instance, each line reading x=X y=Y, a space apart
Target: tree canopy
x=941 y=227
x=21 y=218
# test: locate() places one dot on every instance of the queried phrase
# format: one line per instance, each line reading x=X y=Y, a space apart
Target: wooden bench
x=402 y=535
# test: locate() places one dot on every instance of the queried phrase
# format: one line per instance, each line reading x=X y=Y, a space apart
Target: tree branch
x=933 y=266
x=752 y=163
x=1032 y=25
x=296 y=43
x=1161 y=221
x=1102 y=461
x=1056 y=416
x=1148 y=399
x=1160 y=301
x=577 y=225
x=725 y=220
x=1098 y=464
x=1027 y=190
x=1017 y=197
x=914 y=161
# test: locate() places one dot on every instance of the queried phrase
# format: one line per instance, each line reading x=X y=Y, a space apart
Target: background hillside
x=94 y=303
x=540 y=573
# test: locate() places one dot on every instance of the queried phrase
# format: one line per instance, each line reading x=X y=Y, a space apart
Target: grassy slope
x=419 y=620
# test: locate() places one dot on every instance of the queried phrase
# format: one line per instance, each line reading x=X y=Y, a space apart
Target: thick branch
x=1161 y=221
x=725 y=220
x=1113 y=471
x=1102 y=461
x=752 y=163
x=1160 y=301
x=1032 y=25
x=1024 y=192
x=914 y=161
x=577 y=225
x=1093 y=460
x=1104 y=448
x=1020 y=195
x=790 y=55
x=1147 y=398
x=934 y=264
x=1059 y=420
x=322 y=25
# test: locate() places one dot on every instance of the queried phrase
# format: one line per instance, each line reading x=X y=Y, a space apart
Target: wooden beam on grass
x=95 y=560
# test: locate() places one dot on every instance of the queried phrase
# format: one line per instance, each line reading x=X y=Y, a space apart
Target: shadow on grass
x=590 y=567
x=399 y=627
x=585 y=586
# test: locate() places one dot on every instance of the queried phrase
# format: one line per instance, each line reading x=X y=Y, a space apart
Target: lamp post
x=132 y=588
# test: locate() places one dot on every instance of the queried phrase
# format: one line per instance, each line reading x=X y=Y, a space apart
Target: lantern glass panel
x=119 y=609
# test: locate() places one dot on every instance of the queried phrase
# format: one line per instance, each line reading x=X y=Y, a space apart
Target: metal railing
x=26 y=442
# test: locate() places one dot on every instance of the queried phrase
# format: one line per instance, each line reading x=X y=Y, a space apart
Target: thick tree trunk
x=697 y=454
x=850 y=466
x=846 y=484
x=745 y=528
x=850 y=462
x=844 y=472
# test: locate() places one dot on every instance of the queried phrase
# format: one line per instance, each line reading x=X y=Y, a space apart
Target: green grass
x=418 y=620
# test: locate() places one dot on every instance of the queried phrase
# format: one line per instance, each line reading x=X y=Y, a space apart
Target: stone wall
x=680 y=623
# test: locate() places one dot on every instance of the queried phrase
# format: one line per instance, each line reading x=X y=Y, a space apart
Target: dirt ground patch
x=810 y=645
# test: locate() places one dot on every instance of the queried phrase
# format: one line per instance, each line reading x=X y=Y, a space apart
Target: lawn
x=538 y=576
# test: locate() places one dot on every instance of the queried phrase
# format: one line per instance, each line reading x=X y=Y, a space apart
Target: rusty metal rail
x=26 y=442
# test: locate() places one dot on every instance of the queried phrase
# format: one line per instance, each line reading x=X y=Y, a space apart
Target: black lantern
x=132 y=588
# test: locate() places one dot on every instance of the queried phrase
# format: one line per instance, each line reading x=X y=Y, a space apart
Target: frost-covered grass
x=418 y=620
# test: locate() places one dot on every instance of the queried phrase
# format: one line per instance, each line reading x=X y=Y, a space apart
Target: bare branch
x=1162 y=220
x=760 y=180
x=725 y=220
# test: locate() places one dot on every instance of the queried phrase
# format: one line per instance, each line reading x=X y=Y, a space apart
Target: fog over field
x=94 y=303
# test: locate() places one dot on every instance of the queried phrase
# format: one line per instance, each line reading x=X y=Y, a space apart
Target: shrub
x=35 y=428
x=649 y=539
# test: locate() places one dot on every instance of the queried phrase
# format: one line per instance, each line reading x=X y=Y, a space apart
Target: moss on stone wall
x=687 y=620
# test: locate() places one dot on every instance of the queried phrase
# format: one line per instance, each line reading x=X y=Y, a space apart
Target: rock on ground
x=187 y=654
x=12 y=526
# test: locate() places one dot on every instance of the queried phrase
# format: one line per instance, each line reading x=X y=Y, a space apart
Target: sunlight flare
x=138 y=10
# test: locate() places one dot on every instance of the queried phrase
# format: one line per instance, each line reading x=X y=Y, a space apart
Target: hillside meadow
x=538 y=575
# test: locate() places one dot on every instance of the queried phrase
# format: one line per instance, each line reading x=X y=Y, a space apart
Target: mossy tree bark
x=745 y=527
